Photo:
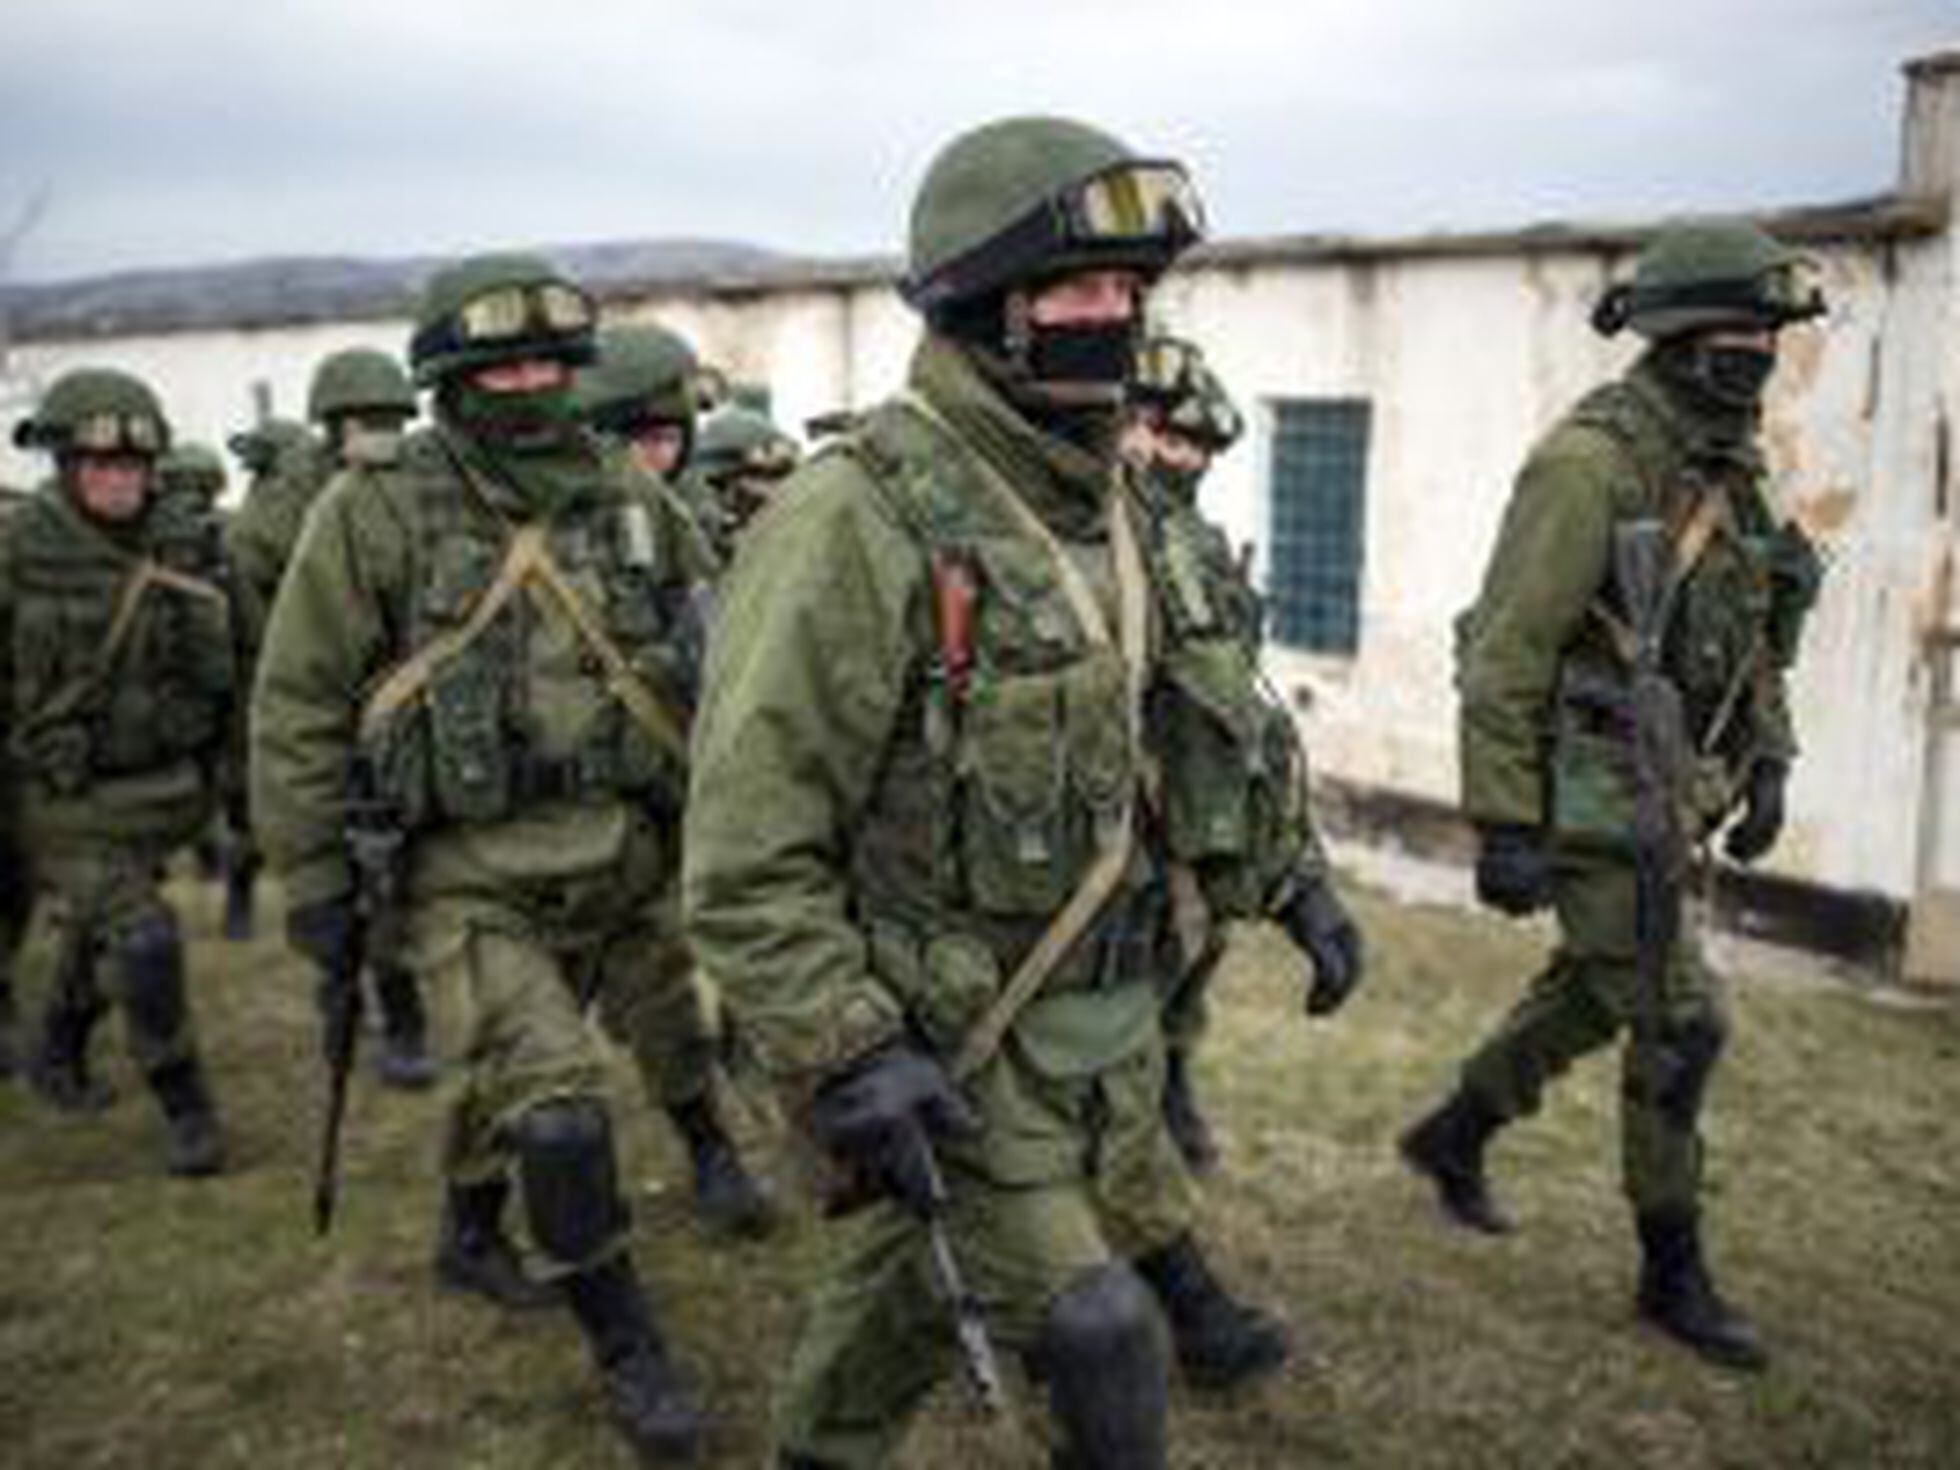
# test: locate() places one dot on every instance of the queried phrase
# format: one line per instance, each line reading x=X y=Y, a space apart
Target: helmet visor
x=511 y=313
x=116 y=433
x=1134 y=202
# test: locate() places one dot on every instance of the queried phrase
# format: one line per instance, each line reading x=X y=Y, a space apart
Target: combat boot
x=1182 y=1119
x=403 y=1061
x=59 y=1070
x=193 y=1141
x=652 y=1404
x=473 y=1253
x=1220 y=1341
x=1677 y=1296
x=726 y=1198
x=1447 y=1146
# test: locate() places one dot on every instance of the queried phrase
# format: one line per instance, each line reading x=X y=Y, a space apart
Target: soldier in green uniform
x=118 y=678
x=742 y=458
x=193 y=469
x=490 y=646
x=639 y=392
x=1544 y=673
x=16 y=888
x=919 y=854
x=1213 y=624
x=362 y=402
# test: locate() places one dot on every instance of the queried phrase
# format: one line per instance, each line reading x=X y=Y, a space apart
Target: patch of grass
x=159 y=1324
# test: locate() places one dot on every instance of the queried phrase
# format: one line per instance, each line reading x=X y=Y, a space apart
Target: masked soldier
x=742 y=459
x=486 y=651
x=120 y=675
x=640 y=393
x=1215 y=708
x=918 y=854
x=362 y=402
x=1546 y=661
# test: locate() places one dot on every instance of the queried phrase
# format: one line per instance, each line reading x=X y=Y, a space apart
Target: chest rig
x=123 y=658
x=549 y=660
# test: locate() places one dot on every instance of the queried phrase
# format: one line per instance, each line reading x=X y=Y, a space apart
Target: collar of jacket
x=1065 y=485
x=535 y=485
x=1698 y=430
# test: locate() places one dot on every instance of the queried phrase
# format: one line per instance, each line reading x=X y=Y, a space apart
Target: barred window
x=1318 y=510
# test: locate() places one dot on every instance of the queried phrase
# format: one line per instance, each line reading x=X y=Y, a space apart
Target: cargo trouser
x=1065 y=1175
x=1587 y=995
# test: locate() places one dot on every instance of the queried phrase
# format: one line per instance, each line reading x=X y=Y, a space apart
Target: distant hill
x=272 y=291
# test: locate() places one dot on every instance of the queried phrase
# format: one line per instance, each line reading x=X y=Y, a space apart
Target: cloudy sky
x=170 y=132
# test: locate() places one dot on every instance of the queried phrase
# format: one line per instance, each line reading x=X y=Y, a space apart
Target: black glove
x=1755 y=832
x=327 y=932
x=1514 y=873
x=881 y=1115
x=1315 y=920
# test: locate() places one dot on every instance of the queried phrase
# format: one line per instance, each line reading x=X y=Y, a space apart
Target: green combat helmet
x=1702 y=277
x=498 y=308
x=194 y=469
x=1173 y=379
x=359 y=380
x=96 y=411
x=261 y=447
x=739 y=443
x=642 y=374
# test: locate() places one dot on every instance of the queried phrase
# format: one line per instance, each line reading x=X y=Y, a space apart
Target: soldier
x=639 y=392
x=1212 y=690
x=16 y=889
x=120 y=671
x=494 y=635
x=742 y=458
x=917 y=775
x=362 y=401
x=1545 y=663
x=194 y=469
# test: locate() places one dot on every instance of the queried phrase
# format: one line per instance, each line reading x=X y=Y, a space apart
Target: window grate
x=1318 y=518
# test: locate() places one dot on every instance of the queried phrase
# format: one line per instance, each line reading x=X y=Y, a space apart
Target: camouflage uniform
x=526 y=735
x=915 y=744
x=741 y=459
x=119 y=688
x=1543 y=670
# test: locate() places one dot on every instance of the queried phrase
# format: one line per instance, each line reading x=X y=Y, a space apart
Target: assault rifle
x=969 y=1326
x=374 y=844
x=1643 y=571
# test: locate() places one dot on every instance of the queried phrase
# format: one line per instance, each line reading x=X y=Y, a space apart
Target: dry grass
x=156 y=1324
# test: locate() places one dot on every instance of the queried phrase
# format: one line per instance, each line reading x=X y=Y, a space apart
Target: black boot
x=1220 y=1341
x=726 y=1198
x=653 y=1406
x=1677 y=1296
x=193 y=1142
x=59 y=1069
x=1182 y=1119
x=403 y=1060
x=1448 y=1147
x=474 y=1254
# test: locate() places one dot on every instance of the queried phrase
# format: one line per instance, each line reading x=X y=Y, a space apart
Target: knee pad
x=152 y=957
x=571 y=1189
x=1687 y=1056
x=1103 y=1353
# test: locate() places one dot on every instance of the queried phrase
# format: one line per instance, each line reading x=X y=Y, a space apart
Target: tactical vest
x=1742 y=587
x=486 y=716
x=1233 y=791
x=123 y=661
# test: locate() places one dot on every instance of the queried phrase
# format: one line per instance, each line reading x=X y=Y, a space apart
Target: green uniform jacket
x=261 y=536
x=1535 y=750
x=365 y=568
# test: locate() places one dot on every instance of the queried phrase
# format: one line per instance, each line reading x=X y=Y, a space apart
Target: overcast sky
x=180 y=132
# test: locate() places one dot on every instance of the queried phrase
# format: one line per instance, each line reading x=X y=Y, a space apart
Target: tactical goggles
x=710 y=387
x=512 y=313
x=115 y=433
x=1166 y=367
x=772 y=458
x=1139 y=213
x=1207 y=416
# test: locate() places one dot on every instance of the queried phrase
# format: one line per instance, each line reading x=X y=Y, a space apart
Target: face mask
x=1736 y=375
x=1090 y=360
x=520 y=422
x=370 y=443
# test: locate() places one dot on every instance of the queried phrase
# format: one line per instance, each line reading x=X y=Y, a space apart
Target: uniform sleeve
x=331 y=627
x=1551 y=559
x=807 y=672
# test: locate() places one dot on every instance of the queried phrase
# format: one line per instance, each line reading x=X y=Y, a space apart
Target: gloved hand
x=1315 y=919
x=1755 y=832
x=1514 y=872
x=327 y=932
x=880 y=1116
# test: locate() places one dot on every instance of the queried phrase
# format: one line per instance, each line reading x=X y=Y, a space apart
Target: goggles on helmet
x=1166 y=367
x=1784 y=293
x=511 y=313
x=710 y=387
x=115 y=433
x=1210 y=418
x=1136 y=212
x=772 y=457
